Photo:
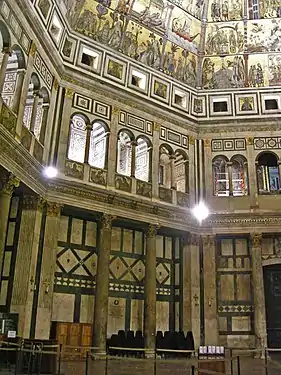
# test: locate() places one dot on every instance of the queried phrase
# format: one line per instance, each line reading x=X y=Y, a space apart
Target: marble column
x=64 y=132
x=150 y=291
x=258 y=291
x=6 y=54
x=102 y=287
x=112 y=147
x=133 y=158
x=46 y=280
x=279 y=169
x=173 y=177
x=88 y=143
x=210 y=290
x=230 y=185
x=44 y=122
x=7 y=186
x=191 y=287
x=18 y=90
x=36 y=98
x=24 y=279
x=24 y=92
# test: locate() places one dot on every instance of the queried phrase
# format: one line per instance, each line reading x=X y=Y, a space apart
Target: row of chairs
x=130 y=340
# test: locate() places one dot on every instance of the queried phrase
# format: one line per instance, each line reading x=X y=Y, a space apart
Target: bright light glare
x=200 y=211
x=50 y=172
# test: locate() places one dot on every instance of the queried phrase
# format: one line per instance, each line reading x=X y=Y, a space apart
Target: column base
x=149 y=354
x=98 y=354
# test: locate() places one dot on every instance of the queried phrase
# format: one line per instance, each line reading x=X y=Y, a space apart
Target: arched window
x=268 y=173
x=98 y=145
x=124 y=153
x=77 y=138
x=220 y=176
x=239 y=175
x=181 y=172
x=13 y=81
x=165 y=170
x=143 y=156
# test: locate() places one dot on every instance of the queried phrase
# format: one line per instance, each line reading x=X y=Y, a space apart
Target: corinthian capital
x=256 y=239
x=107 y=220
x=151 y=230
x=9 y=183
x=209 y=240
x=53 y=209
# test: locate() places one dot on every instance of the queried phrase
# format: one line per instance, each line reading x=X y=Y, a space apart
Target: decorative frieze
x=165 y=194
x=174 y=137
x=74 y=169
x=182 y=199
x=8 y=119
x=267 y=143
x=235 y=144
x=144 y=189
x=43 y=70
x=98 y=176
x=123 y=183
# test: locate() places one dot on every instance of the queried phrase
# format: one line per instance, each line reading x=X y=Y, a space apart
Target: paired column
x=88 y=143
x=150 y=291
x=36 y=98
x=24 y=91
x=64 y=131
x=44 y=122
x=47 y=258
x=24 y=284
x=252 y=176
x=172 y=163
x=258 y=289
x=102 y=286
x=230 y=185
x=7 y=52
x=112 y=144
x=210 y=288
x=18 y=90
x=133 y=158
x=7 y=186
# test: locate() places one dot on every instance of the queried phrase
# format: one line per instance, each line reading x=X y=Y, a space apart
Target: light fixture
x=50 y=172
x=200 y=212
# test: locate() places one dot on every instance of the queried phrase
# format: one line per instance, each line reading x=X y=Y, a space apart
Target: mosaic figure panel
x=264 y=36
x=225 y=10
x=258 y=71
x=225 y=39
x=219 y=73
x=155 y=33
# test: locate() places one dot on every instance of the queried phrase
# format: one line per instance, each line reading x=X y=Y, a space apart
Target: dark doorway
x=272 y=289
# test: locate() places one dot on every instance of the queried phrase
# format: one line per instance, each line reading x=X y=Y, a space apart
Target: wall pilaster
x=46 y=280
x=210 y=295
x=258 y=289
x=102 y=286
x=24 y=279
x=7 y=185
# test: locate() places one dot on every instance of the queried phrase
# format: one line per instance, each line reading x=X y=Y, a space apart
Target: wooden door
x=73 y=337
x=272 y=288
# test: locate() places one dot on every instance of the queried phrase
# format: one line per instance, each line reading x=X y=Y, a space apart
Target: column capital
x=33 y=49
x=134 y=143
x=229 y=163
x=9 y=184
x=55 y=84
x=7 y=50
x=191 y=140
x=209 y=240
x=152 y=230
x=33 y=202
x=53 y=208
x=194 y=239
x=256 y=239
x=172 y=157
x=115 y=111
x=69 y=93
x=107 y=220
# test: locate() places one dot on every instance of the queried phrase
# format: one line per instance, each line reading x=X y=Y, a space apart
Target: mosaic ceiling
x=227 y=44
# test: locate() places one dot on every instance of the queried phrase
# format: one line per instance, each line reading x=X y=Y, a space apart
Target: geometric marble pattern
x=126 y=269
x=77 y=262
x=235 y=308
x=163 y=273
